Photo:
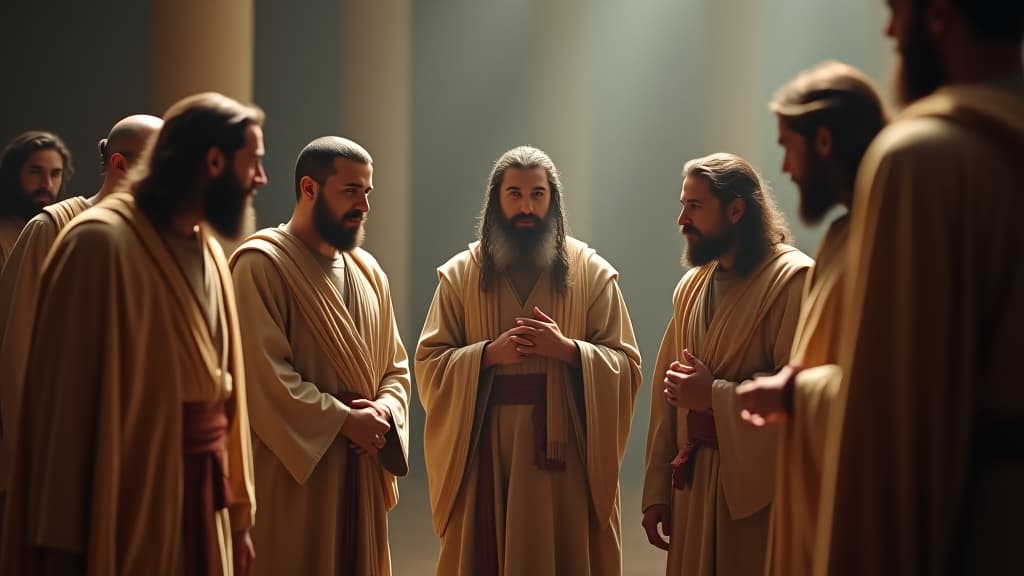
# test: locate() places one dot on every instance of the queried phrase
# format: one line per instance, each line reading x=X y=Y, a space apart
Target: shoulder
x=456 y=267
x=595 y=268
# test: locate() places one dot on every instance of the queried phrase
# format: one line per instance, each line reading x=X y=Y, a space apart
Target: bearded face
x=345 y=233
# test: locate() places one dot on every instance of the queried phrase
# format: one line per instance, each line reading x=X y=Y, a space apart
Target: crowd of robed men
x=170 y=409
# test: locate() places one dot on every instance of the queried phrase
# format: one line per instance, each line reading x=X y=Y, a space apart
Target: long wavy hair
x=491 y=216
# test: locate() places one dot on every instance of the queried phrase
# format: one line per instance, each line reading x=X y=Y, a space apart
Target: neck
x=726 y=261
x=983 y=61
x=303 y=229
x=108 y=188
x=184 y=222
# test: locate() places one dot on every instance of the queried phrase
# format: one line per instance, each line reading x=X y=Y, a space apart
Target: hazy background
x=620 y=93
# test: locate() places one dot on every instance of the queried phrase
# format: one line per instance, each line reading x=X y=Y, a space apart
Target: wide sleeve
x=66 y=473
x=447 y=378
x=610 y=366
x=394 y=390
x=289 y=414
x=748 y=453
x=19 y=289
x=661 y=432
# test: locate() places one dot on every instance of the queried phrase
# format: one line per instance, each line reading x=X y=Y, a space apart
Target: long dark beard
x=225 y=205
x=511 y=245
x=334 y=232
x=26 y=205
x=920 y=71
x=816 y=197
x=707 y=248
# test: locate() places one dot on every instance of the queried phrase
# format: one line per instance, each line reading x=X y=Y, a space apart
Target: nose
x=261 y=176
x=526 y=205
x=363 y=203
x=684 y=218
x=50 y=183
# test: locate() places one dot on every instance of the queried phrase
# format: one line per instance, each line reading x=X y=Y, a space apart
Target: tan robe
x=19 y=290
x=920 y=475
x=547 y=522
x=97 y=468
x=306 y=341
x=720 y=520
x=10 y=228
x=802 y=438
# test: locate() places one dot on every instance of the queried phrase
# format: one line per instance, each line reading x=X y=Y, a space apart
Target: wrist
x=789 y=390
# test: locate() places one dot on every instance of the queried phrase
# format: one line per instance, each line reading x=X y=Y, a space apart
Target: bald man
x=19 y=281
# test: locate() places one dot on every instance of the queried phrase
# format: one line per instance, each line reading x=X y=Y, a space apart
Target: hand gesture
x=546 y=339
x=366 y=427
x=655 y=516
x=763 y=400
x=688 y=385
x=505 y=349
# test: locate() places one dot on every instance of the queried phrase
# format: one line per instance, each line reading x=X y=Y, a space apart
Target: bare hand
x=655 y=516
x=688 y=386
x=365 y=428
x=243 y=552
x=381 y=411
x=547 y=339
x=762 y=401
x=505 y=349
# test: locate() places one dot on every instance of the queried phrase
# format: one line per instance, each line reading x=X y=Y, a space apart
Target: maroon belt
x=508 y=390
x=204 y=442
x=350 y=495
x=700 y=431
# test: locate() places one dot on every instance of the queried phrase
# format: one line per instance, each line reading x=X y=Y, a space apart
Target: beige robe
x=802 y=438
x=720 y=520
x=914 y=482
x=97 y=469
x=548 y=522
x=10 y=228
x=19 y=290
x=304 y=342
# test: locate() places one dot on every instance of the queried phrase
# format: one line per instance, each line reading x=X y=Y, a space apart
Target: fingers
x=654 y=537
x=753 y=419
x=682 y=368
x=540 y=315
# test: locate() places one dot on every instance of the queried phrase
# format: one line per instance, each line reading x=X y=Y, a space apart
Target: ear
x=215 y=162
x=308 y=187
x=823 y=142
x=119 y=163
x=736 y=209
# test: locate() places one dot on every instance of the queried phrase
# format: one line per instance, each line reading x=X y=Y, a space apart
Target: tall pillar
x=732 y=79
x=560 y=99
x=201 y=45
x=376 y=112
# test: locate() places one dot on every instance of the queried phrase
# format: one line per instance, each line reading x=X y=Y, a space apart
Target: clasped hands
x=536 y=336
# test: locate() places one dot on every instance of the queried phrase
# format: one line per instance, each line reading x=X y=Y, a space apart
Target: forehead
x=48 y=158
x=254 y=138
x=346 y=171
x=525 y=178
x=785 y=131
x=696 y=188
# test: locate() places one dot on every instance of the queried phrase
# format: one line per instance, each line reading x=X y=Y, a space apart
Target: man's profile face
x=229 y=195
x=807 y=170
x=919 y=68
x=703 y=222
x=342 y=203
